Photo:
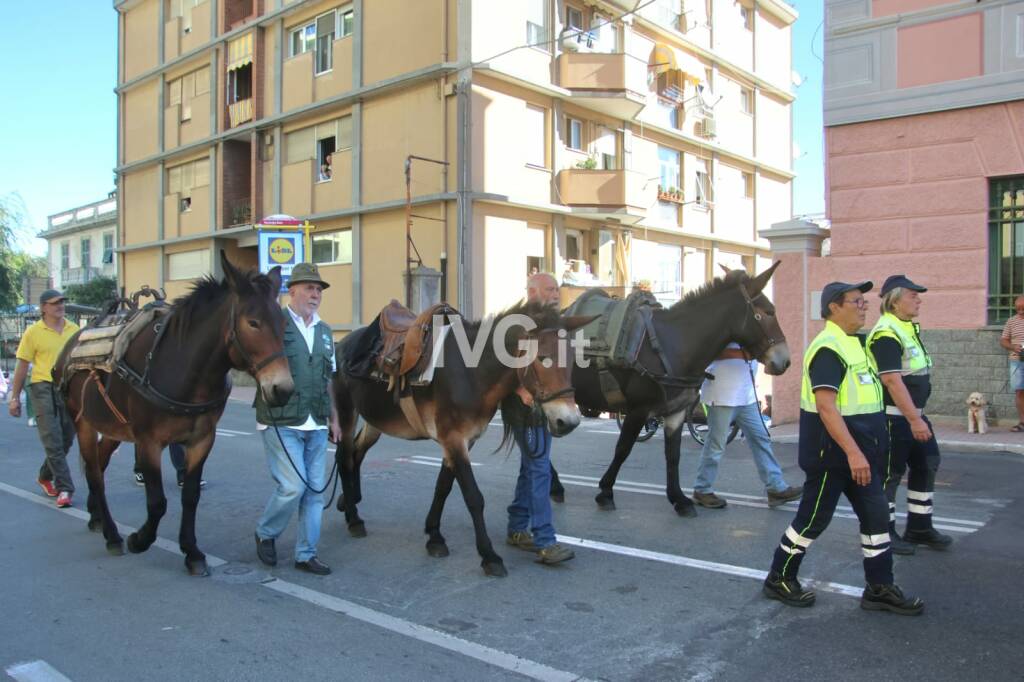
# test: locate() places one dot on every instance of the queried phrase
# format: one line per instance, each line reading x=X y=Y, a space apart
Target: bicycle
x=696 y=423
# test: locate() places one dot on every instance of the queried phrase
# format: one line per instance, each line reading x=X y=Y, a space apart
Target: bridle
x=236 y=344
x=759 y=349
x=531 y=382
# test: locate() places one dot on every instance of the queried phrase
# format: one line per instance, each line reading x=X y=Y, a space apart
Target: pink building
x=924 y=163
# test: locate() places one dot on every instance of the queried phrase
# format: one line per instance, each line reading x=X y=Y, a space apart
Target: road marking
x=233 y=432
x=429 y=461
x=714 y=566
x=224 y=434
x=843 y=512
x=35 y=671
x=422 y=633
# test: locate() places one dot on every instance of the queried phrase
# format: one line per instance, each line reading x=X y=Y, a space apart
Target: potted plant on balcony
x=590 y=163
x=672 y=194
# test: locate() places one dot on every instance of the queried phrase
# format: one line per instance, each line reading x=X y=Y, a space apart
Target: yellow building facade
x=607 y=146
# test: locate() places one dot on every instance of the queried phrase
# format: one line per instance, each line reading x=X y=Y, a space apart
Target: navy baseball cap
x=51 y=296
x=834 y=291
x=901 y=281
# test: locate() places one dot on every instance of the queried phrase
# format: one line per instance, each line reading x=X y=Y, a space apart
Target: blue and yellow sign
x=281 y=248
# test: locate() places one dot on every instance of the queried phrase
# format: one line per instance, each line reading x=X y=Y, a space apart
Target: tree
x=10 y=296
x=96 y=292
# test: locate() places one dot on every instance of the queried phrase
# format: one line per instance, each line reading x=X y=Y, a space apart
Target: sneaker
x=32 y=421
x=314 y=566
x=181 y=482
x=789 y=592
x=899 y=545
x=775 y=498
x=47 y=487
x=554 y=554
x=709 y=500
x=64 y=499
x=890 y=598
x=930 y=538
x=140 y=479
x=521 y=539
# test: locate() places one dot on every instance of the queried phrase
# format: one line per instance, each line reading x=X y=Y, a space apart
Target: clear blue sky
x=58 y=136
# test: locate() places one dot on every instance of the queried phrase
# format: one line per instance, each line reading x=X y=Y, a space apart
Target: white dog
x=977 y=421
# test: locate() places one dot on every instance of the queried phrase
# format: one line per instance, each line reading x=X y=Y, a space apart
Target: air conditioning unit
x=706 y=127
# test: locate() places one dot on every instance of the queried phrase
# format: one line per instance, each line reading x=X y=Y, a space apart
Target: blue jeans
x=308 y=452
x=531 y=507
x=748 y=418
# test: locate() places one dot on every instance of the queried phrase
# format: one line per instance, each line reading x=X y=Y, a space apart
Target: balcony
x=605 y=193
x=240 y=112
x=83 y=275
x=614 y=84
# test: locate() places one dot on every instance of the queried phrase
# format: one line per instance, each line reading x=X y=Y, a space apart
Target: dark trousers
x=57 y=433
x=177 y=459
x=923 y=459
x=821 y=495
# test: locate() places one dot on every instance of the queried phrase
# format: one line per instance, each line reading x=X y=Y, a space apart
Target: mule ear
x=275 y=280
x=724 y=269
x=576 y=321
x=231 y=274
x=758 y=283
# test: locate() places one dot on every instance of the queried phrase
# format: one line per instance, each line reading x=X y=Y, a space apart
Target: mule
x=184 y=358
x=454 y=410
x=691 y=334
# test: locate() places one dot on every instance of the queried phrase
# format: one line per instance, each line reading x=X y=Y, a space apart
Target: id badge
x=864 y=378
x=914 y=352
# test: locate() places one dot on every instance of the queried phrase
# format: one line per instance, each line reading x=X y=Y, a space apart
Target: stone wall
x=968 y=360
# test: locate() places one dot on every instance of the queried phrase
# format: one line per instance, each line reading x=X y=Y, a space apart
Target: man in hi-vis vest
x=905 y=369
x=843 y=445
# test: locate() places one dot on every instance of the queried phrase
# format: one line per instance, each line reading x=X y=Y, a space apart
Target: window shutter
x=202 y=80
x=174 y=180
x=299 y=146
x=202 y=173
x=344 y=139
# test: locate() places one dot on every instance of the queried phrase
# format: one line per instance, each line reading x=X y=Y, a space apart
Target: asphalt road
x=649 y=596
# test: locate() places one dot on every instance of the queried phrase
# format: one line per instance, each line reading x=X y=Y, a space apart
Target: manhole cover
x=239 y=573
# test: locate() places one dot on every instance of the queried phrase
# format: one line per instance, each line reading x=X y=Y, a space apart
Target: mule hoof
x=197 y=569
x=685 y=510
x=495 y=569
x=340 y=506
x=605 y=502
x=558 y=497
x=116 y=548
x=136 y=546
x=438 y=550
x=357 y=529
x=95 y=525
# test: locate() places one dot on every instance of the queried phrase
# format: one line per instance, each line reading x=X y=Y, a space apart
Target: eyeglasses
x=857 y=302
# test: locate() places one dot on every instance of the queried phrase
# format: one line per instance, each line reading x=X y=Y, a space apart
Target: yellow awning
x=667 y=58
x=662 y=59
x=691 y=66
x=240 y=52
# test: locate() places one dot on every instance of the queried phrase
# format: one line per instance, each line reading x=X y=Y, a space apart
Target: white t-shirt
x=732 y=386
x=309 y=336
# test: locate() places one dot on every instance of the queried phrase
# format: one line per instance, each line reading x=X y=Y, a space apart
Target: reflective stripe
x=874 y=539
x=796 y=538
x=919 y=509
x=790 y=550
x=869 y=553
x=894 y=411
x=919 y=496
x=892 y=513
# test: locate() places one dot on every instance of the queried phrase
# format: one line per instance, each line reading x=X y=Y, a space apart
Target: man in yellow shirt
x=41 y=345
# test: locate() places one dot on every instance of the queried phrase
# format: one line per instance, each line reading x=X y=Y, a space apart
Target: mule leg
x=148 y=459
x=99 y=511
x=631 y=426
x=104 y=449
x=195 y=458
x=350 y=455
x=436 y=545
x=490 y=561
x=557 y=490
x=673 y=446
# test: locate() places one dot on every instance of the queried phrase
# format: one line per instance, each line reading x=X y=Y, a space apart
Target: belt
x=894 y=411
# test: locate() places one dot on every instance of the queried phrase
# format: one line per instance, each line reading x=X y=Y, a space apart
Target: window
x=668 y=161
x=573 y=18
x=574 y=133
x=240 y=84
x=572 y=244
x=108 y=248
x=319 y=143
x=183 y=90
x=318 y=36
x=332 y=248
x=182 y=179
x=86 y=253
x=325 y=43
x=536 y=140
x=606 y=149
x=537 y=24
x=703 y=188
x=1005 y=246
x=746 y=100
x=665 y=12
x=324 y=157
x=748 y=185
x=188 y=264
x=536 y=238
x=65 y=255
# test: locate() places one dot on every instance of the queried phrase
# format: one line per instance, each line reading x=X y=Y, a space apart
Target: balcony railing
x=613 y=83
x=100 y=211
x=240 y=112
x=613 y=191
x=83 y=275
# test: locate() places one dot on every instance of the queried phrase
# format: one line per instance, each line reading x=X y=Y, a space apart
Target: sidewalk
x=998 y=438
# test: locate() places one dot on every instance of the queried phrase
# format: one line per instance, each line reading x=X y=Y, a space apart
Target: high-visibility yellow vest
x=860 y=391
x=915 y=358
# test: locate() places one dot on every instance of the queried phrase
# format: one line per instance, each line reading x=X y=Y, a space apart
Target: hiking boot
x=521 y=539
x=930 y=538
x=47 y=487
x=775 y=498
x=899 y=545
x=890 y=598
x=266 y=551
x=787 y=591
x=709 y=500
x=554 y=554
x=140 y=480
x=64 y=499
x=314 y=566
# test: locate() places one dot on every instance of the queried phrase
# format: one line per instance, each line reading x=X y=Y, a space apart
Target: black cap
x=901 y=281
x=51 y=296
x=834 y=291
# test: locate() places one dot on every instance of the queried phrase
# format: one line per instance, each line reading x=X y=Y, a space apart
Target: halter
x=759 y=349
x=533 y=385
x=234 y=342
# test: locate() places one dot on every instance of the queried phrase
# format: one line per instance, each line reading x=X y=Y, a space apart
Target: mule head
x=545 y=360
x=758 y=330
x=255 y=331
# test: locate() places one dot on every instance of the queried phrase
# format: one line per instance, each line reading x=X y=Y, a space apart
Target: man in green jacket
x=295 y=435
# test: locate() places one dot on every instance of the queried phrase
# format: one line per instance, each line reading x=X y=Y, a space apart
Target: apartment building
x=924 y=108
x=578 y=137
x=80 y=243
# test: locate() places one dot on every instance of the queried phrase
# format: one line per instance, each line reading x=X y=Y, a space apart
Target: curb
x=958 y=445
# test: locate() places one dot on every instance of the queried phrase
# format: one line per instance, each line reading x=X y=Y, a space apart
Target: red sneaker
x=47 y=487
x=64 y=499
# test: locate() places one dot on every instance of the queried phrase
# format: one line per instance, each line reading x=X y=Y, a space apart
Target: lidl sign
x=283 y=249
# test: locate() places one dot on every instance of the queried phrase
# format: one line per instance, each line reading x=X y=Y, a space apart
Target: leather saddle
x=407 y=338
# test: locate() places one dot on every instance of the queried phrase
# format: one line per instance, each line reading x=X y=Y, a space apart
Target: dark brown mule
x=456 y=408
x=691 y=334
x=235 y=323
